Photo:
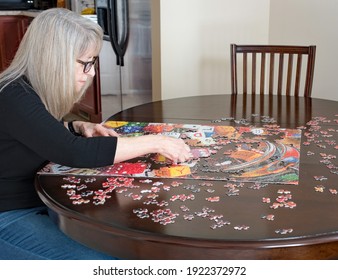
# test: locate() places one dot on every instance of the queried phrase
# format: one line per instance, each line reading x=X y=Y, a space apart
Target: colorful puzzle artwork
x=267 y=154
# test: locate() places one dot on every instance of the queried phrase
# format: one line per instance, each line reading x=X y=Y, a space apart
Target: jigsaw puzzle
x=267 y=154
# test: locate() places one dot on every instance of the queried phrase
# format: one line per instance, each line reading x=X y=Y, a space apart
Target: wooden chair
x=251 y=55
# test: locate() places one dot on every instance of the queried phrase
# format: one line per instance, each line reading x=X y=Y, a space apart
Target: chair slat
x=298 y=74
x=245 y=73
x=271 y=73
x=280 y=73
x=289 y=75
x=253 y=81
x=262 y=84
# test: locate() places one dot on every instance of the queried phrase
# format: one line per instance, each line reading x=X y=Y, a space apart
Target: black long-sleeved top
x=30 y=137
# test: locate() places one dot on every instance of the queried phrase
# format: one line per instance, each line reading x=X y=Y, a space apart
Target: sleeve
x=28 y=121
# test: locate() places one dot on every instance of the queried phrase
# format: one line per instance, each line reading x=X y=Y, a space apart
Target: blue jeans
x=29 y=234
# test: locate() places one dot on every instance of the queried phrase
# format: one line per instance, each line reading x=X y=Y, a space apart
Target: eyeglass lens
x=87 y=65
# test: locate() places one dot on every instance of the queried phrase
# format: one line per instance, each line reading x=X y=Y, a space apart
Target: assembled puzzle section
x=268 y=154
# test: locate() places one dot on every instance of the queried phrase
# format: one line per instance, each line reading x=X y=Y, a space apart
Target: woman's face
x=84 y=70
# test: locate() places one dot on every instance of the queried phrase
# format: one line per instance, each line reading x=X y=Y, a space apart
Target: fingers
x=104 y=131
x=178 y=151
x=92 y=130
x=112 y=132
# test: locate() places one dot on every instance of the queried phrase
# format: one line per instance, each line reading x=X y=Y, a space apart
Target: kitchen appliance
x=46 y=4
x=14 y=5
x=17 y=4
x=125 y=59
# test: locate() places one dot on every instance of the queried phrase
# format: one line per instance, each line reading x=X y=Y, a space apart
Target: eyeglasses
x=87 y=65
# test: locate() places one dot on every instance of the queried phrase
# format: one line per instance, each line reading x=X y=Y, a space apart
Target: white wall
x=195 y=38
x=312 y=22
x=191 y=41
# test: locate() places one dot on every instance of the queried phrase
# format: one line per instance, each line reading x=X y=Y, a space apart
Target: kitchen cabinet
x=12 y=30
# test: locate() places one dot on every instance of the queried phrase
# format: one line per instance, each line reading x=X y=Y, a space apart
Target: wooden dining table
x=206 y=218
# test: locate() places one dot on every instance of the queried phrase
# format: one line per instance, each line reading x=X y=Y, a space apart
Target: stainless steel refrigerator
x=125 y=59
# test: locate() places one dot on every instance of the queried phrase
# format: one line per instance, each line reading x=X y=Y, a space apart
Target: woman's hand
x=88 y=129
x=172 y=148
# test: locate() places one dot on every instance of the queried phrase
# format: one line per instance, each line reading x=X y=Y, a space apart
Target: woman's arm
x=131 y=147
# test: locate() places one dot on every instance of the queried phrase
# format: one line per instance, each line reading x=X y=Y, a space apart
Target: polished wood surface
x=310 y=228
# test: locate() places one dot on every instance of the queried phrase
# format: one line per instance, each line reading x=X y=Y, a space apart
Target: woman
x=52 y=69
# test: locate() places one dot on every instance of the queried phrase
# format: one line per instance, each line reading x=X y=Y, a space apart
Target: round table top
x=207 y=217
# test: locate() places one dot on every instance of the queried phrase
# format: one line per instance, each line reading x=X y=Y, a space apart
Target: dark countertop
x=29 y=13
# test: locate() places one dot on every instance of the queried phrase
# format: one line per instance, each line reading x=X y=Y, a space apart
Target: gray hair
x=47 y=56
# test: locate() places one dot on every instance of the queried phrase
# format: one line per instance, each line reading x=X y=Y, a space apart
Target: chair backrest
x=269 y=71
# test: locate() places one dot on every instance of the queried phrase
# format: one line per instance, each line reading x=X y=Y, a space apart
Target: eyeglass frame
x=87 y=66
